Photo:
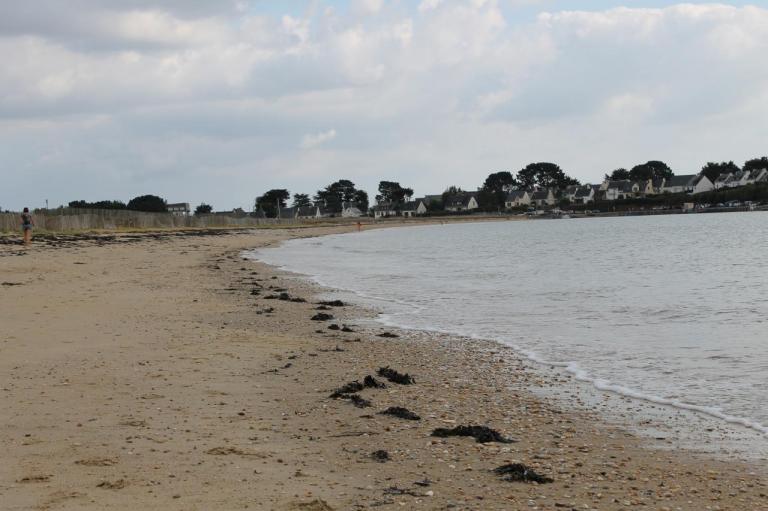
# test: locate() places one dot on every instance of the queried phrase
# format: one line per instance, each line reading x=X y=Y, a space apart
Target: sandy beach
x=166 y=371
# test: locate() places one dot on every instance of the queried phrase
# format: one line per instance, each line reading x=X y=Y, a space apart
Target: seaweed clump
x=372 y=383
x=395 y=377
x=401 y=413
x=482 y=434
x=333 y=303
x=519 y=473
x=381 y=456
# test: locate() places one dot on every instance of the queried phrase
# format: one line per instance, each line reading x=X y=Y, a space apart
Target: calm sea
x=671 y=309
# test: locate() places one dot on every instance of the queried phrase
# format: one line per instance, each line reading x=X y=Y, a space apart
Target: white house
x=570 y=192
x=517 y=198
x=306 y=212
x=692 y=183
x=178 y=209
x=462 y=202
x=584 y=195
x=722 y=180
x=543 y=198
x=350 y=210
x=622 y=189
x=758 y=176
x=414 y=208
x=384 y=210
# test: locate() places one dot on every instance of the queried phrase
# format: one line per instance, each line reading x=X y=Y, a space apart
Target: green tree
x=361 y=200
x=435 y=205
x=203 y=209
x=712 y=169
x=653 y=169
x=335 y=194
x=150 y=203
x=301 y=200
x=493 y=194
x=618 y=175
x=756 y=164
x=451 y=192
x=544 y=175
x=103 y=204
x=391 y=191
x=269 y=201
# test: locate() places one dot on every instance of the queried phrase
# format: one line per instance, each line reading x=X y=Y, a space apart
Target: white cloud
x=437 y=94
x=368 y=6
x=312 y=141
x=427 y=5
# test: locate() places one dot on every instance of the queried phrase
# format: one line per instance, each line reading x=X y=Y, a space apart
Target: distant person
x=26 y=225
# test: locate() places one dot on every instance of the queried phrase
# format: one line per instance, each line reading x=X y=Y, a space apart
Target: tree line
x=146 y=203
x=491 y=196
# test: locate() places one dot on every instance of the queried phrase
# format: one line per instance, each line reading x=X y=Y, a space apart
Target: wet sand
x=159 y=374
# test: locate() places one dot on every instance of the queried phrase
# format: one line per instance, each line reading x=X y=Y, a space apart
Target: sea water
x=669 y=309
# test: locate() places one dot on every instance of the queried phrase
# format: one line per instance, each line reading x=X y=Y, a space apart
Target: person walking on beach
x=26 y=225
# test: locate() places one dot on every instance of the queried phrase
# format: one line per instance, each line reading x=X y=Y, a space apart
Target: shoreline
x=717 y=429
x=194 y=379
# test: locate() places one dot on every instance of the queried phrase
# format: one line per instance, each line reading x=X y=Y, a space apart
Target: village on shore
x=542 y=188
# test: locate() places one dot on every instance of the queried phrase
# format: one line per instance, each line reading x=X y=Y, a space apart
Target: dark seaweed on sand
x=401 y=413
x=320 y=316
x=482 y=434
x=372 y=383
x=359 y=401
x=332 y=303
x=355 y=386
x=349 y=388
x=395 y=377
x=517 y=472
x=381 y=456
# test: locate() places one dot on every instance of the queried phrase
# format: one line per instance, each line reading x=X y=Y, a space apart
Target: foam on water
x=668 y=329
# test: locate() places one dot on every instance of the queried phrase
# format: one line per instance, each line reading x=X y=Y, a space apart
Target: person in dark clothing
x=26 y=225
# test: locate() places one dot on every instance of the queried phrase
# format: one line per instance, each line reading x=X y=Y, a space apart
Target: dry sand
x=144 y=374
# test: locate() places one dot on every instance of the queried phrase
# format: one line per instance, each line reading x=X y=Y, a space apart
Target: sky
x=218 y=101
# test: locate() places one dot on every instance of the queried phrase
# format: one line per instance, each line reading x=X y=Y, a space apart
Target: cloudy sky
x=220 y=100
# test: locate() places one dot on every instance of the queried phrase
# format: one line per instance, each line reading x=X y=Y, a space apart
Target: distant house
x=179 y=208
x=288 y=213
x=758 y=176
x=384 y=210
x=462 y=202
x=570 y=192
x=645 y=188
x=692 y=183
x=733 y=179
x=414 y=208
x=350 y=210
x=584 y=195
x=657 y=185
x=517 y=198
x=543 y=198
x=722 y=180
x=621 y=189
x=323 y=212
x=306 y=212
x=740 y=178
